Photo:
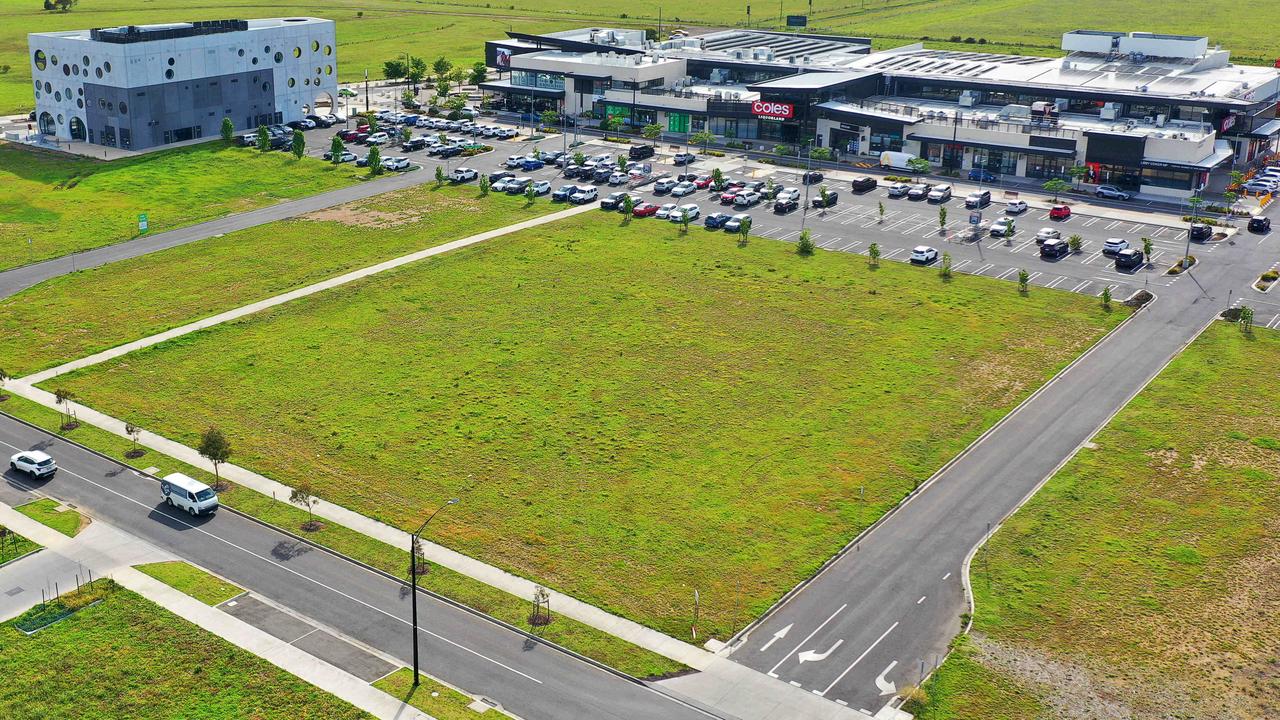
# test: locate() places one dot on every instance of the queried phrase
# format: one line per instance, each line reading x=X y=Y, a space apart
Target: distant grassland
x=371 y=31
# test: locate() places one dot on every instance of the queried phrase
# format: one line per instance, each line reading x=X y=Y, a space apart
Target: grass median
x=46 y=512
x=14 y=546
x=439 y=701
x=76 y=315
x=629 y=414
x=54 y=204
x=1141 y=580
x=191 y=580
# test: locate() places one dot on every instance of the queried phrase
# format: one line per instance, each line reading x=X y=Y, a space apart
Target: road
x=532 y=680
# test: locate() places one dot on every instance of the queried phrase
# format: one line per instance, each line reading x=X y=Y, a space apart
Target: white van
x=891 y=160
x=187 y=493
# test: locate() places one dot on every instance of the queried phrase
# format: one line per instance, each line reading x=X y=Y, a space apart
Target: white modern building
x=139 y=86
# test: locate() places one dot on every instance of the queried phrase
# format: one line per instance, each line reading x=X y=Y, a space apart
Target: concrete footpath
x=109 y=552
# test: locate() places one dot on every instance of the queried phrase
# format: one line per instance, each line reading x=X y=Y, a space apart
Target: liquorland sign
x=764 y=108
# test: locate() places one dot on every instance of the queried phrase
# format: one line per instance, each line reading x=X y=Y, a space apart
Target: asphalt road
x=533 y=680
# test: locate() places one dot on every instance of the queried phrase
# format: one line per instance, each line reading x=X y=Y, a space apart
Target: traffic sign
x=142 y=222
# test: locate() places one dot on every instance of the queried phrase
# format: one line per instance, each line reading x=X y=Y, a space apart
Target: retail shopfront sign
x=768 y=109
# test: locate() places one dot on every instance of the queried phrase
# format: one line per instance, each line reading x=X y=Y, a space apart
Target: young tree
x=442 y=89
x=215 y=448
x=823 y=195
x=405 y=134
x=942 y=219
x=302 y=496
x=440 y=176
x=4 y=376
x=375 y=160
x=1074 y=243
x=1077 y=173
x=458 y=76
x=717 y=179
x=1024 y=280
x=299 y=145
x=1147 y=248
x=549 y=118
x=881 y=204
x=1056 y=186
x=63 y=398
x=1246 y=319
x=1230 y=198
x=684 y=222
x=744 y=231
x=372 y=121
x=918 y=166
x=264 y=139
x=703 y=138
x=441 y=67
x=651 y=132
x=1106 y=297
x=133 y=431
x=804 y=247
x=336 y=148
x=1194 y=203
x=228 y=130
x=1237 y=178
x=873 y=255
x=484 y=185
x=416 y=71
x=628 y=206
x=579 y=159
x=529 y=194
x=770 y=189
x=944 y=271
x=478 y=73
x=622 y=164
x=394 y=69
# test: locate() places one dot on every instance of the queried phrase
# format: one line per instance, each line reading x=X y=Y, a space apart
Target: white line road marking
x=1054 y=283
x=776 y=637
x=944 y=577
x=1155 y=255
x=1091 y=221
x=1006 y=273
x=922 y=597
x=1113 y=224
x=178 y=519
x=790 y=235
x=828 y=243
x=961 y=264
x=793 y=682
x=855 y=662
x=1091 y=258
x=886 y=687
x=1043 y=217
x=984 y=268
x=1159 y=231
x=1180 y=236
x=851 y=246
x=773 y=672
x=1082 y=286
x=812 y=656
x=1033 y=276
x=1019 y=248
x=913 y=228
x=1136 y=228
x=895 y=253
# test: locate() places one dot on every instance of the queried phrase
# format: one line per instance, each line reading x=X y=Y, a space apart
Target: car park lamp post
x=413 y=572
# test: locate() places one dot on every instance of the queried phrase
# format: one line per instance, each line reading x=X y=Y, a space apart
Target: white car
x=899 y=189
x=747 y=198
x=1047 y=234
x=1260 y=186
x=1112 y=192
x=664 y=211
x=395 y=163
x=682 y=189
x=1016 y=206
x=345 y=156
x=940 y=193
x=506 y=133
x=690 y=211
x=1114 y=245
x=503 y=184
x=35 y=463
x=735 y=223
x=541 y=187
x=919 y=191
x=1002 y=227
x=378 y=138
x=464 y=174
x=514 y=161
x=619 y=178
x=923 y=255
x=665 y=184
x=585 y=194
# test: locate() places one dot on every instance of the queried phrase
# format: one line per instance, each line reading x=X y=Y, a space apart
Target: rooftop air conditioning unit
x=1110 y=111
x=1148 y=120
x=807 y=59
x=1161 y=119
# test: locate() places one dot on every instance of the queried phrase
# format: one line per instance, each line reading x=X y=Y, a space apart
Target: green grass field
x=44 y=511
x=439 y=701
x=626 y=413
x=191 y=580
x=371 y=31
x=64 y=204
x=13 y=545
x=1149 y=564
x=78 y=314
x=128 y=658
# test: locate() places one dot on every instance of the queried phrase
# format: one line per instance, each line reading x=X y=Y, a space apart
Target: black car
x=450 y=151
x=572 y=171
x=320 y=121
x=1053 y=249
x=1259 y=224
x=500 y=175
x=640 y=152
x=413 y=144
x=811 y=177
x=1201 y=231
x=687 y=177
x=785 y=206
x=1129 y=259
x=832 y=195
x=863 y=183
x=602 y=172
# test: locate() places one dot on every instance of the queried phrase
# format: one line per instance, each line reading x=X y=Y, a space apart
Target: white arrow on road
x=811 y=656
x=776 y=637
x=886 y=686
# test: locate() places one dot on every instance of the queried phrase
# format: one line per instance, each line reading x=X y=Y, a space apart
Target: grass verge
x=13 y=545
x=1147 y=565
x=44 y=511
x=438 y=701
x=126 y=657
x=191 y=580
x=628 y=413
x=563 y=631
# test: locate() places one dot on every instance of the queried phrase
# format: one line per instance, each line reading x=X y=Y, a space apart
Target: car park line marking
x=922 y=597
x=1113 y=224
x=1043 y=217
x=1112 y=286
x=851 y=246
x=1054 y=283
x=1091 y=258
x=1136 y=228
x=895 y=253
x=961 y=264
x=829 y=243
x=790 y=235
x=179 y=520
x=985 y=268
x=1155 y=255
x=1180 y=236
x=944 y=577
x=860 y=657
x=1082 y=286
x=1159 y=231
x=1091 y=221
x=914 y=228
x=773 y=672
x=1006 y=273
x=896 y=224
x=1033 y=276
x=1023 y=245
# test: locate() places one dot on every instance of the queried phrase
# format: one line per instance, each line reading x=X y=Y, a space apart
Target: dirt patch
x=362 y=217
x=397 y=210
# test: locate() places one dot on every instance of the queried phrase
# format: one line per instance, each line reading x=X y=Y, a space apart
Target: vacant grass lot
x=76 y=315
x=13 y=545
x=64 y=204
x=626 y=413
x=439 y=701
x=128 y=658
x=44 y=511
x=193 y=581
x=1150 y=565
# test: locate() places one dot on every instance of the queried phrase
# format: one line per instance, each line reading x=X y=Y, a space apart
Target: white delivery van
x=187 y=493
x=896 y=160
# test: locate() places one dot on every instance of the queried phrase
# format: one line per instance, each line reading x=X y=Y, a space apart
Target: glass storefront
x=1000 y=162
x=1048 y=166
x=677 y=122
x=546 y=81
x=1121 y=176
x=1176 y=179
x=882 y=140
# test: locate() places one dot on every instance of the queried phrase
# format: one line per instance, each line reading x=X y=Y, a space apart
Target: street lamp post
x=366 y=90
x=804 y=213
x=413 y=572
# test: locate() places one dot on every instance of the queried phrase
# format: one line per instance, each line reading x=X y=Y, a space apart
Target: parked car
x=347 y=135
x=320 y=121
x=691 y=211
x=702 y=182
x=515 y=186
x=1004 y=227
x=1260 y=186
x=186 y=493
x=463 y=174
x=830 y=201
x=716 y=220
x=978 y=199
x=810 y=177
x=301 y=124
x=1259 y=224
x=36 y=463
x=781 y=207
x=1111 y=192
x=640 y=152
x=613 y=201
x=919 y=191
x=531 y=164
x=1017 y=207
x=378 y=138
x=1053 y=249
x=564 y=192
x=1045 y=234
x=343 y=157
x=619 y=178
x=664 y=185
x=923 y=255
x=940 y=193
x=1130 y=259
x=664 y=211
x=863 y=183
x=412 y=144
x=360 y=137
x=603 y=172
x=499 y=175
x=572 y=171
x=1200 y=232
x=746 y=199
x=502 y=184
x=513 y=161
x=899 y=189
x=735 y=223
x=726 y=197
x=1114 y=245
x=980 y=175
x=1059 y=212
x=683 y=159
x=541 y=187
x=362 y=162
x=585 y=194
x=450 y=151
x=645 y=209
x=682 y=189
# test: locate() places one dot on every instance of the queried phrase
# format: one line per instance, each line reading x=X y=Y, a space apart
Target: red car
x=347 y=135
x=703 y=182
x=644 y=209
x=362 y=127
x=1060 y=212
x=726 y=197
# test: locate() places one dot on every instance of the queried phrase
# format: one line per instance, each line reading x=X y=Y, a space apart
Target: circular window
x=266 y=87
x=328 y=49
x=98 y=72
x=255 y=61
x=292 y=82
x=79 y=103
x=57 y=96
x=328 y=69
x=266 y=50
x=316 y=82
x=41 y=61
x=38 y=94
x=75 y=70
x=297 y=52
x=80 y=92
x=102 y=103
x=279 y=57
x=307 y=82
x=59 y=118
x=240 y=52
x=85 y=61
x=124 y=109
x=168 y=74
x=53 y=59
x=315 y=46
x=106 y=66
x=48 y=88
x=170 y=62
x=111 y=107
x=317 y=70
x=66 y=70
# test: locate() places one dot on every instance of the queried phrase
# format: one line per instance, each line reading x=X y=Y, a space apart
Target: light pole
x=413 y=572
x=804 y=214
x=366 y=90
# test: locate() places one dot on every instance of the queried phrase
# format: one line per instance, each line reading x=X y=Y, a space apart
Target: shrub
x=1271 y=275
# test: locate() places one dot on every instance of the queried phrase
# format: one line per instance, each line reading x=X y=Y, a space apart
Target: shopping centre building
x=1159 y=114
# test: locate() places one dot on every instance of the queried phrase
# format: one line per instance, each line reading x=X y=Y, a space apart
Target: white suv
x=35 y=463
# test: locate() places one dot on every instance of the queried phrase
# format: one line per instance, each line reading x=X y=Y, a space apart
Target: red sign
x=765 y=108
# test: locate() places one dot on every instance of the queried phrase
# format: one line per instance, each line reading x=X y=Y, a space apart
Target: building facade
x=1163 y=115
x=142 y=86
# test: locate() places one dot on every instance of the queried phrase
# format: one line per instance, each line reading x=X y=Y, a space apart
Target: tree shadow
x=289 y=549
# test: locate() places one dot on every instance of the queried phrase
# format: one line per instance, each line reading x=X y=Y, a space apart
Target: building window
x=106 y=66
x=1175 y=179
x=66 y=70
x=54 y=60
x=240 y=52
x=328 y=69
x=279 y=57
x=170 y=62
x=292 y=82
x=98 y=72
x=328 y=49
x=547 y=81
x=254 y=61
x=1048 y=166
x=85 y=61
x=168 y=74
x=297 y=52
x=124 y=109
x=41 y=61
x=315 y=46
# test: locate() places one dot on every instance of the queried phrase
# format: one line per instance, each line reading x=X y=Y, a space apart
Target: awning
x=505 y=86
x=1265 y=130
x=1222 y=153
x=1030 y=150
x=847 y=111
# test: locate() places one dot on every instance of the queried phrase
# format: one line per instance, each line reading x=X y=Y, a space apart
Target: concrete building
x=1163 y=115
x=140 y=86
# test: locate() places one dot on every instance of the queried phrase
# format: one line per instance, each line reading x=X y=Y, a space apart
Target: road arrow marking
x=886 y=686
x=811 y=656
x=776 y=637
